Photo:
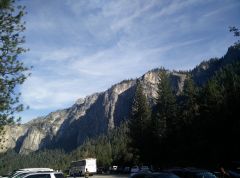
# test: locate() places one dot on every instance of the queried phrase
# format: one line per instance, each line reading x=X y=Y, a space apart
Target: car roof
x=42 y=172
x=36 y=169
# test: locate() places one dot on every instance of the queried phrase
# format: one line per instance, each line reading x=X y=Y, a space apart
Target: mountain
x=96 y=114
x=206 y=69
x=100 y=112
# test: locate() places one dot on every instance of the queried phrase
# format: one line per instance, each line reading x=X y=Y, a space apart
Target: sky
x=79 y=47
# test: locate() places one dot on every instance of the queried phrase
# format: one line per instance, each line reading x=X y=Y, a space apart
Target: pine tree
x=189 y=110
x=139 y=124
x=236 y=33
x=166 y=107
x=121 y=154
x=164 y=120
x=189 y=102
x=12 y=70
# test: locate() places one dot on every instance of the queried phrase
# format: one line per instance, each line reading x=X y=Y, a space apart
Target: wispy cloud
x=40 y=93
x=81 y=47
x=221 y=9
x=140 y=11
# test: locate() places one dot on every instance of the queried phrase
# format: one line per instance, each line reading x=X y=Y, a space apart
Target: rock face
x=13 y=136
x=87 y=118
x=100 y=112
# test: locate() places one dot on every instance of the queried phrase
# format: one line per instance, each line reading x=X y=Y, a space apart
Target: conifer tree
x=139 y=124
x=236 y=33
x=12 y=70
x=164 y=120
x=166 y=107
x=189 y=101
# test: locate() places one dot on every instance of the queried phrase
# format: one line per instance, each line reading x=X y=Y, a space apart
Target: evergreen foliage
x=12 y=70
x=166 y=112
x=236 y=33
x=55 y=159
x=165 y=120
x=107 y=149
x=189 y=102
x=198 y=127
x=140 y=125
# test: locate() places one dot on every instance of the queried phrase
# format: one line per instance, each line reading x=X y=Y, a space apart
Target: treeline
x=56 y=159
x=198 y=127
x=108 y=149
x=201 y=126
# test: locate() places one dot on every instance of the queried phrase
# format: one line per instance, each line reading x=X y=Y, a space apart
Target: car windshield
x=14 y=174
x=21 y=175
x=11 y=175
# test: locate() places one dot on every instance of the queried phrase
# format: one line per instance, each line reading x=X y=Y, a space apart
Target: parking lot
x=106 y=176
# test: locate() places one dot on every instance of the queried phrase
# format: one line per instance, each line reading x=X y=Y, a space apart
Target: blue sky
x=79 y=47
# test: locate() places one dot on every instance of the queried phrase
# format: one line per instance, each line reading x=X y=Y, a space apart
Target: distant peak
x=80 y=101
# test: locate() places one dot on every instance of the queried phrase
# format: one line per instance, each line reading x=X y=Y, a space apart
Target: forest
x=198 y=127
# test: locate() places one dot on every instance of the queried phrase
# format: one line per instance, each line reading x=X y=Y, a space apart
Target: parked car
x=19 y=174
x=22 y=172
x=164 y=175
x=134 y=169
x=234 y=174
x=199 y=174
x=43 y=175
x=126 y=170
x=113 y=169
x=145 y=168
x=141 y=175
x=4 y=176
x=36 y=169
x=148 y=174
x=101 y=170
x=177 y=171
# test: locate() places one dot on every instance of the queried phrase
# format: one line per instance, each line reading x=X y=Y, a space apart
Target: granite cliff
x=96 y=114
x=100 y=112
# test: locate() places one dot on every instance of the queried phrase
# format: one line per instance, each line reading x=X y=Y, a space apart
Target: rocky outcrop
x=14 y=135
x=96 y=114
x=32 y=140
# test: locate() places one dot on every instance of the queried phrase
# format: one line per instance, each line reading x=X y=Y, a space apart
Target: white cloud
x=138 y=12
x=60 y=55
x=81 y=47
x=174 y=7
x=221 y=9
x=73 y=77
x=41 y=93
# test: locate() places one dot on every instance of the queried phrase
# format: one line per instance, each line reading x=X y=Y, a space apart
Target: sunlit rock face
x=88 y=117
x=13 y=135
x=101 y=112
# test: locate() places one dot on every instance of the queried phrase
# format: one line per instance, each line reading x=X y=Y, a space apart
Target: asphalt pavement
x=106 y=176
